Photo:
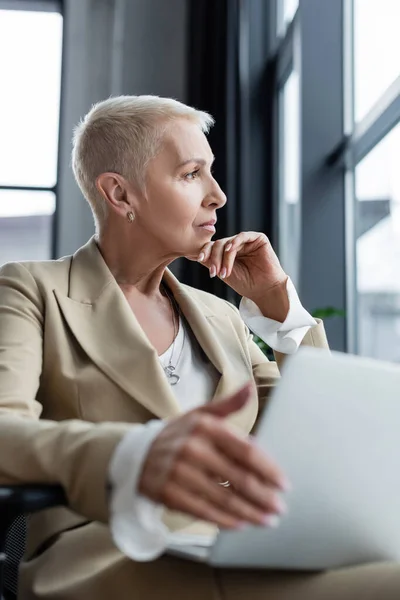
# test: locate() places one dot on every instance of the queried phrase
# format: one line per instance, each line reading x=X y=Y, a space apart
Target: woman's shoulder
x=41 y=273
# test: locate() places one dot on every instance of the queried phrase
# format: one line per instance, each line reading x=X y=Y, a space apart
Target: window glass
x=376 y=51
x=30 y=75
x=377 y=188
x=289 y=10
x=25 y=225
x=289 y=210
x=286 y=9
x=291 y=139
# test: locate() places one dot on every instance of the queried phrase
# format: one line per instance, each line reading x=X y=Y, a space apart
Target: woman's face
x=181 y=199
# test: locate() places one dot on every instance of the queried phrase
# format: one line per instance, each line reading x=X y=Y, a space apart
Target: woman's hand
x=196 y=451
x=249 y=265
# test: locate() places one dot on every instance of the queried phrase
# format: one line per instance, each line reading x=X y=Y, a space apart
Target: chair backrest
x=15 y=502
x=15 y=548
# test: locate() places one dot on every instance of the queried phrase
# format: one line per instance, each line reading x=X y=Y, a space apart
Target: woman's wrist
x=274 y=302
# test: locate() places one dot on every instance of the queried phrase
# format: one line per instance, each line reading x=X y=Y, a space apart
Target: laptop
x=333 y=425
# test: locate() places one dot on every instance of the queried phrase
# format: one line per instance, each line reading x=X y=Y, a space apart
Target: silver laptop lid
x=333 y=425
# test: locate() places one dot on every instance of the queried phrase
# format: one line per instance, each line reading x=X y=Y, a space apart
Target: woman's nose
x=216 y=197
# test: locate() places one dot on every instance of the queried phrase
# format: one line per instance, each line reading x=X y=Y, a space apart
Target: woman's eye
x=192 y=175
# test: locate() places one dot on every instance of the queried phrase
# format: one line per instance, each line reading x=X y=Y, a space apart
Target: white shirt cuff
x=135 y=521
x=283 y=337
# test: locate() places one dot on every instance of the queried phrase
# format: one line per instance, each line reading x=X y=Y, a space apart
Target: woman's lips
x=210 y=228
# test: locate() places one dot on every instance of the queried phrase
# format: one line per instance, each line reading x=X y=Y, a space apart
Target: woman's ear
x=114 y=189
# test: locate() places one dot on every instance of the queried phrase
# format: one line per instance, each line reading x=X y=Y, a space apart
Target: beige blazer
x=76 y=371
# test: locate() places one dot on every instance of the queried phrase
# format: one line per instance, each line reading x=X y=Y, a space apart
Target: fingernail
x=285 y=484
x=272 y=521
x=280 y=506
x=213 y=271
x=228 y=247
x=240 y=526
x=223 y=273
x=201 y=257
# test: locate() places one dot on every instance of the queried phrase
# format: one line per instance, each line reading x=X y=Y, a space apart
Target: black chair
x=15 y=503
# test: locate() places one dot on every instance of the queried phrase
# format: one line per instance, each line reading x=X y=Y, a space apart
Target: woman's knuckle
x=195 y=422
x=168 y=495
x=248 y=481
x=265 y=239
x=202 y=425
x=189 y=447
x=176 y=470
x=205 y=423
x=249 y=453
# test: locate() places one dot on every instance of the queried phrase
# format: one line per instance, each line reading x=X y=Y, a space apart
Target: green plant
x=328 y=312
x=262 y=345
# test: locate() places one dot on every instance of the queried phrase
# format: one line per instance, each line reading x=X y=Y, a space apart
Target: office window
x=336 y=73
x=30 y=72
x=335 y=67
x=287 y=218
x=372 y=162
x=289 y=178
x=377 y=192
x=376 y=51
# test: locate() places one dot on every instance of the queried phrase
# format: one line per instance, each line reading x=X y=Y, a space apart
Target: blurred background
x=306 y=96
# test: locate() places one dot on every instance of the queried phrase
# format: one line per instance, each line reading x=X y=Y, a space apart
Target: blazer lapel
x=104 y=325
x=214 y=334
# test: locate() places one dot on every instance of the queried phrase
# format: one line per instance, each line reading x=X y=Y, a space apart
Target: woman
x=120 y=363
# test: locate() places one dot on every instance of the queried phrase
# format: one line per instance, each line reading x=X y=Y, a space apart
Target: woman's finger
x=242 y=451
x=176 y=498
x=262 y=495
x=216 y=256
x=205 y=252
x=227 y=406
x=212 y=254
x=235 y=506
x=241 y=239
x=228 y=261
x=231 y=252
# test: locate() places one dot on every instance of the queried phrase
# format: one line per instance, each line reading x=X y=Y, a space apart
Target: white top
x=198 y=376
x=135 y=520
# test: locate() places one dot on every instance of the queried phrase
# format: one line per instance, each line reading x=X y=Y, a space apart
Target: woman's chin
x=194 y=252
x=197 y=244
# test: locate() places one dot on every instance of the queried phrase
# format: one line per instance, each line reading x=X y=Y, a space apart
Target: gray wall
x=112 y=47
x=155 y=48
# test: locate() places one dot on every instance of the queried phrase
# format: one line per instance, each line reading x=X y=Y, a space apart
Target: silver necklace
x=170 y=369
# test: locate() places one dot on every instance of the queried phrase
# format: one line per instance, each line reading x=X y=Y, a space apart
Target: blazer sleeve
x=266 y=373
x=75 y=454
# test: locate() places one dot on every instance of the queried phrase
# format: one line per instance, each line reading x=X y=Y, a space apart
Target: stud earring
x=131 y=216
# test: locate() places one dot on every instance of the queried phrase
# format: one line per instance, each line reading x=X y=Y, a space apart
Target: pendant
x=172 y=377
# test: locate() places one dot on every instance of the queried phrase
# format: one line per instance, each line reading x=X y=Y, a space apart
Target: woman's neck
x=134 y=265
